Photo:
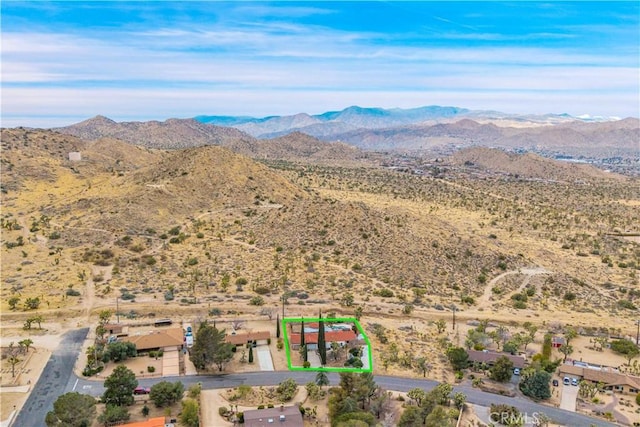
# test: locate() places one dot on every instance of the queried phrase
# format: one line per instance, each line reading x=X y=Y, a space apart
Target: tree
x=502 y=370
x=278 y=326
x=210 y=348
x=417 y=394
x=358 y=312
x=322 y=346
x=625 y=347
x=442 y=393
x=566 y=349
x=438 y=418
x=546 y=347
x=119 y=387
x=587 y=389
x=535 y=384
x=13 y=302
x=190 y=415
x=423 y=366
x=411 y=417
x=27 y=342
x=166 y=393
x=569 y=334
x=458 y=357
x=13 y=361
x=251 y=354
x=441 y=325
x=113 y=415
x=302 y=335
x=459 y=399
x=32 y=303
x=38 y=319
x=72 y=410
x=335 y=350
x=119 y=350
x=322 y=379
x=347 y=299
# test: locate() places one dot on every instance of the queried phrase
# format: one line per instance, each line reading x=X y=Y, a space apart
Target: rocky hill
x=170 y=134
x=527 y=165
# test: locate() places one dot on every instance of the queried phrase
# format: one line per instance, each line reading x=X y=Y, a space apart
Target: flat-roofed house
x=284 y=416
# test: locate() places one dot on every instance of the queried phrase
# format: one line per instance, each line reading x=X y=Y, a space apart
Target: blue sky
x=63 y=62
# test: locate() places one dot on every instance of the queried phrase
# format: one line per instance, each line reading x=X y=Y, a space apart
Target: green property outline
x=325 y=320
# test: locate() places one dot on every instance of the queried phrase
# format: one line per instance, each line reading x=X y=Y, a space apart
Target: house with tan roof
x=490 y=357
x=170 y=339
x=260 y=337
x=611 y=378
x=284 y=416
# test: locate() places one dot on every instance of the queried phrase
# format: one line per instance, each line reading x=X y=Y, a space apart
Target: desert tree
x=119 y=387
x=423 y=366
x=322 y=379
x=72 y=410
x=566 y=350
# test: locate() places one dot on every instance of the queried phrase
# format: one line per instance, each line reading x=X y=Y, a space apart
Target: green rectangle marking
x=325 y=320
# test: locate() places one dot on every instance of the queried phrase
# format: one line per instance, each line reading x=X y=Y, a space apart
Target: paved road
x=58 y=378
x=531 y=409
x=55 y=378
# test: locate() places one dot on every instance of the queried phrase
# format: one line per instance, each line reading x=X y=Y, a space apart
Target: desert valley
x=445 y=233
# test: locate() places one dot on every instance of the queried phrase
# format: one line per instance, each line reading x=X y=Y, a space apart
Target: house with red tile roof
x=151 y=422
x=343 y=338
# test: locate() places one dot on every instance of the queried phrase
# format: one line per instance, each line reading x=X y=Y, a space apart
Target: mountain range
x=355 y=132
x=330 y=124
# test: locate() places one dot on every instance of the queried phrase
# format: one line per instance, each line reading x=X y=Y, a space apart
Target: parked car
x=516 y=371
x=142 y=390
x=566 y=381
x=555 y=383
x=574 y=381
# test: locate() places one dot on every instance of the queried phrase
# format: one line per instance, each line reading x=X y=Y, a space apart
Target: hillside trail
x=485 y=299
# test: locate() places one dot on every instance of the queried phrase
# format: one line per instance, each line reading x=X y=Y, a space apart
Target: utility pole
x=453 y=307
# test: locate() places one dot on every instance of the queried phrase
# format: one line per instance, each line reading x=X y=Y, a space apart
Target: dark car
x=142 y=390
x=555 y=383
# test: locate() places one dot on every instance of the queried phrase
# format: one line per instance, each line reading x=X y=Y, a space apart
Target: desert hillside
x=203 y=228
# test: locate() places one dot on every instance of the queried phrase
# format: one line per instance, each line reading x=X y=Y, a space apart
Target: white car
x=516 y=371
x=566 y=381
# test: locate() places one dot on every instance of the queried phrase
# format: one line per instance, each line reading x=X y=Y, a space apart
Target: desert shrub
x=72 y=292
x=384 y=293
x=625 y=303
x=151 y=369
x=168 y=296
x=287 y=389
x=256 y=301
x=223 y=411
x=262 y=290
x=569 y=296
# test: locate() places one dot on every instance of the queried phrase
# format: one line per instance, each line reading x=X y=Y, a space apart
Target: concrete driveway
x=569 y=396
x=264 y=358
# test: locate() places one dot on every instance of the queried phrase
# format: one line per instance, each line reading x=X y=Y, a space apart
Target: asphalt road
x=58 y=378
x=527 y=407
x=54 y=380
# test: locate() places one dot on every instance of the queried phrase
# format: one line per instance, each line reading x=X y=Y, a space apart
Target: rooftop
x=272 y=417
x=169 y=337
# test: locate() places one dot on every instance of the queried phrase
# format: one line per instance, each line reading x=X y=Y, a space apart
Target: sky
x=63 y=62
